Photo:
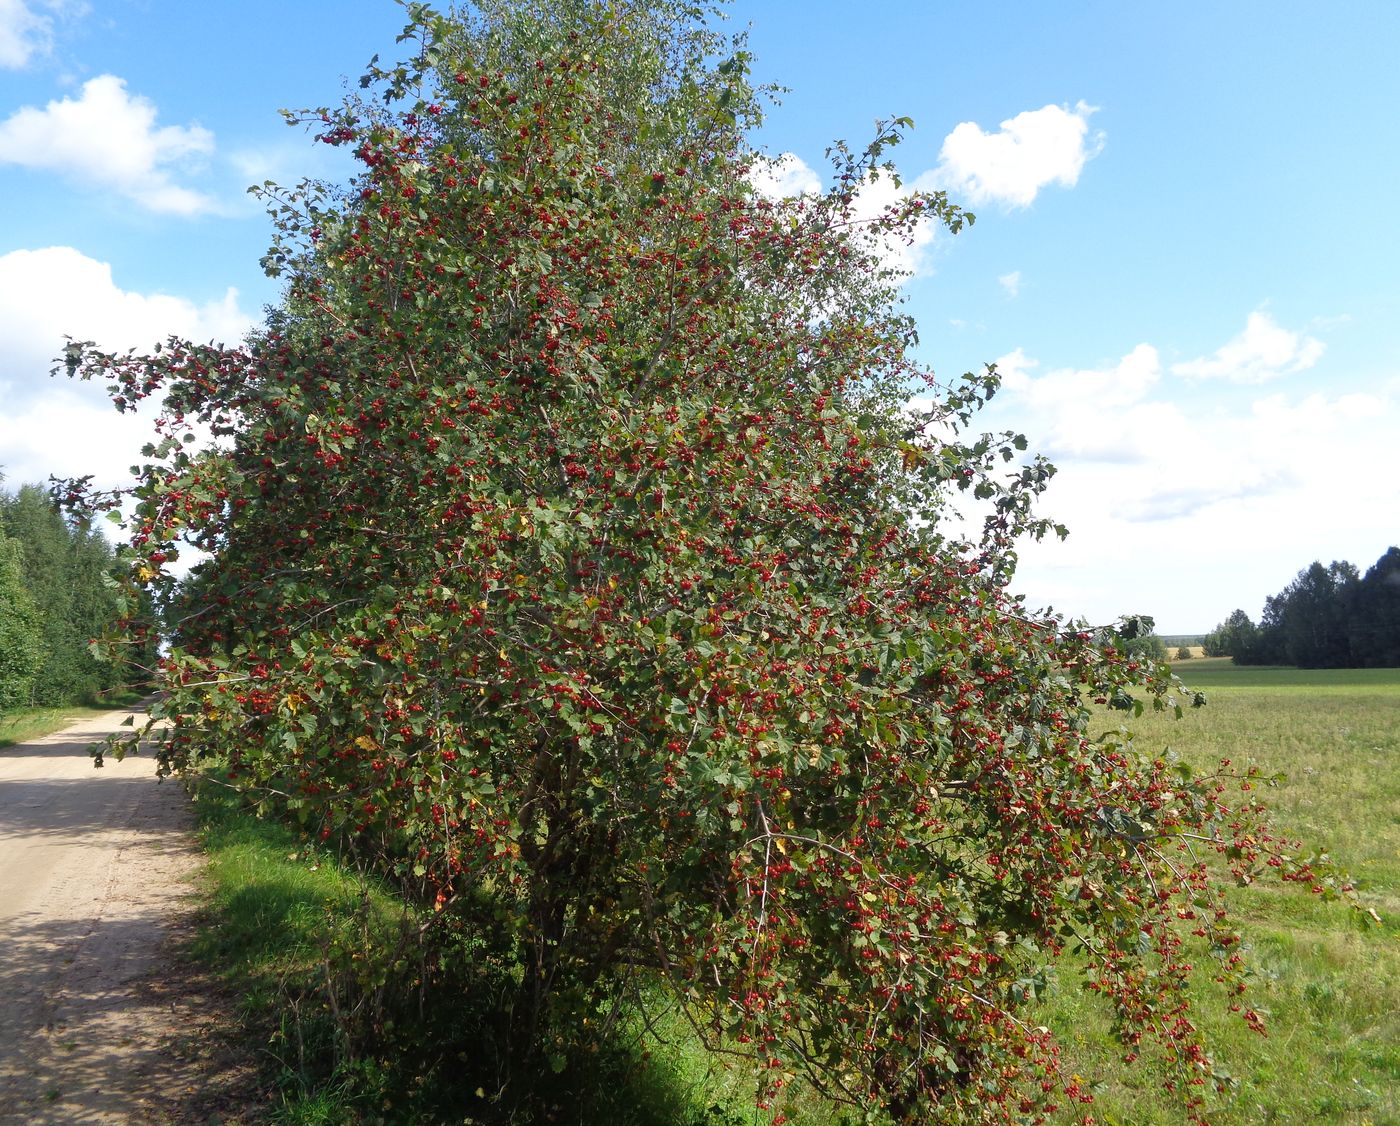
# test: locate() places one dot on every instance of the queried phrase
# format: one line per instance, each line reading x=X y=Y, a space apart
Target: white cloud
x=1069 y=392
x=903 y=254
x=68 y=428
x=108 y=139
x=1263 y=351
x=24 y=33
x=784 y=177
x=47 y=294
x=1201 y=503
x=1031 y=150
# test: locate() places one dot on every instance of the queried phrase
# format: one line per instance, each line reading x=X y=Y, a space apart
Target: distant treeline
x=1327 y=618
x=55 y=597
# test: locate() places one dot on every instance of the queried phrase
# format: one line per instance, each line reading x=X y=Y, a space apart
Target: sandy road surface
x=94 y=893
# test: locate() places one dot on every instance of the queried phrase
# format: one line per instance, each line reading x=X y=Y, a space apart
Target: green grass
x=1330 y=981
x=1221 y=672
x=33 y=723
x=357 y=1021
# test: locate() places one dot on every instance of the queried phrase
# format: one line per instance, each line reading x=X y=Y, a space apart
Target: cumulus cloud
x=107 y=138
x=1069 y=392
x=1033 y=149
x=1263 y=351
x=1030 y=151
x=47 y=294
x=784 y=177
x=1168 y=460
x=69 y=429
x=1195 y=496
x=902 y=253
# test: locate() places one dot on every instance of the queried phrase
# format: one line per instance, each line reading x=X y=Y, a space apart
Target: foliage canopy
x=55 y=597
x=20 y=651
x=573 y=556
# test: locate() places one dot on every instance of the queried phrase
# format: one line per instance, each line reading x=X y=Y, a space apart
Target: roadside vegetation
x=364 y=1011
x=352 y=1028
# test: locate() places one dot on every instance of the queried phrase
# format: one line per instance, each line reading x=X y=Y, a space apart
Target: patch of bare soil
x=104 y=1018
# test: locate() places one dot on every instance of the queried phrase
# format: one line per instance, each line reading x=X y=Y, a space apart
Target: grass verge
x=33 y=723
x=365 y=1011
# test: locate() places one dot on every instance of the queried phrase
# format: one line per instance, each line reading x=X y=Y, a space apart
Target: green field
x=1327 y=978
x=1220 y=672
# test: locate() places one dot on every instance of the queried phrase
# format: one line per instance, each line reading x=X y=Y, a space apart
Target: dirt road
x=94 y=892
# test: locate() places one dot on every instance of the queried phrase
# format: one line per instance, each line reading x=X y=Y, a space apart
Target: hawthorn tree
x=573 y=556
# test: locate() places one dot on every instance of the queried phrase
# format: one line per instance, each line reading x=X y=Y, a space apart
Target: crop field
x=1219 y=672
x=1327 y=978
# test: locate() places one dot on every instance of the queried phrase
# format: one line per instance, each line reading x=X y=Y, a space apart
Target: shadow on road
x=64 y=807
x=101 y=1025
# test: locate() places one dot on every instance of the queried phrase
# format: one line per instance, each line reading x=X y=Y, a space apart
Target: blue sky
x=1184 y=261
